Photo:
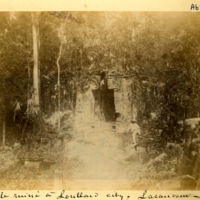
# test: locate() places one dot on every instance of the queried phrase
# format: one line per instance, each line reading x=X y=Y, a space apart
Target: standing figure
x=134 y=129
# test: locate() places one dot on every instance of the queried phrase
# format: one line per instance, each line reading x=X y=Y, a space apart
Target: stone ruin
x=106 y=96
x=102 y=96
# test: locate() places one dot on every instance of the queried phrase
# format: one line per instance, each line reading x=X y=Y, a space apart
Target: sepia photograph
x=99 y=100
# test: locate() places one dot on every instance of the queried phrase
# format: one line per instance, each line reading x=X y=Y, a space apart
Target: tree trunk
x=35 y=58
x=58 y=85
x=4 y=129
x=23 y=131
x=3 y=114
x=81 y=56
x=38 y=50
x=29 y=81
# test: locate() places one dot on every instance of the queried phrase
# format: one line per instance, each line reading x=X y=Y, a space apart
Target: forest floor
x=103 y=159
x=99 y=155
x=95 y=157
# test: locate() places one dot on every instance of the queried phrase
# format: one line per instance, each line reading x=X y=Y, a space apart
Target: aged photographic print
x=99 y=100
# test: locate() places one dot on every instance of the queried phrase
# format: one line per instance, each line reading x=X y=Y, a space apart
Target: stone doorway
x=108 y=105
x=104 y=104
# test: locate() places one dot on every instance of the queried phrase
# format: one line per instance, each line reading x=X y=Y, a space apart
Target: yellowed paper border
x=96 y=5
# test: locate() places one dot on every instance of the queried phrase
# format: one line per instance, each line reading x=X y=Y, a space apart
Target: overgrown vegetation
x=159 y=50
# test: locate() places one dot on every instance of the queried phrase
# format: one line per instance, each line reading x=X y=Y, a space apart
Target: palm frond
x=17 y=105
x=32 y=109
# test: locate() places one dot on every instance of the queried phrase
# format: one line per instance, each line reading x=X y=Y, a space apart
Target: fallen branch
x=156 y=160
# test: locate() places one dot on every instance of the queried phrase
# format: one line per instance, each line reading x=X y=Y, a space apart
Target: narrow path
x=97 y=153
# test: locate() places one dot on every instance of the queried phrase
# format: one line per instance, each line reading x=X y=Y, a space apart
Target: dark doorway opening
x=104 y=104
x=108 y=105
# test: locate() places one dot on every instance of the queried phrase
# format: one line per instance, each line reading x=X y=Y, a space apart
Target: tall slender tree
x=61 y=35
x=35 y=57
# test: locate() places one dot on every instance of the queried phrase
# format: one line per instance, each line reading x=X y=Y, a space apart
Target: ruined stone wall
x=122 y=95
x=122 y=86
x=94 y=101
x=85 y=101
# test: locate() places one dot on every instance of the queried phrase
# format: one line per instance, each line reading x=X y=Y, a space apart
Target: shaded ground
x=95 y=156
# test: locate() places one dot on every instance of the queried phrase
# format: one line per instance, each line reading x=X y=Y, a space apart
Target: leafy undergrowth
x=159 y=173
x=161 y=169
x=161 y=165
x=7 y=158
x=15 y=175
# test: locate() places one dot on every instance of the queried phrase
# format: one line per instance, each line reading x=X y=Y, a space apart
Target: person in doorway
x=134 y=129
